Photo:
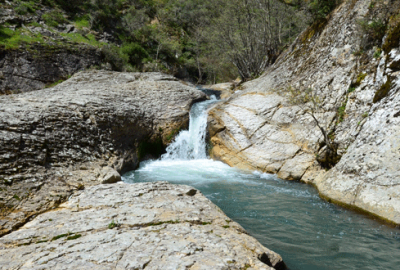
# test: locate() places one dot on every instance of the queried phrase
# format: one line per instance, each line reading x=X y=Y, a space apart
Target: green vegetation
x=383 y=91
x=341 y=111
x=393 y=34
x=25 y=7
x=59 y=236
x=16 y=197
x=112 y=225
x=360 y=78
x=10 y=39
x=206 y=40
x=377 y=53
x=73 y=237
x=321 y=8
x=351 y=89
x=81 y=22
x=54 y=18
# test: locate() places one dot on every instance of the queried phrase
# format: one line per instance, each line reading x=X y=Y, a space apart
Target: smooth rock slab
x=144 y=225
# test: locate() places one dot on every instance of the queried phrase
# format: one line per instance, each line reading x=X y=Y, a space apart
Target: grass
x=10 y=39
x=81 y=22
x=341 y=111
x=53 y=18
x=79 y=38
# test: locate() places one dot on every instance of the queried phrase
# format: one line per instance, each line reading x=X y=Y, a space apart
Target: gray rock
x=260 y=129
x=109 y=176
x=93 y=120
x=27 y=70
x=145 y=225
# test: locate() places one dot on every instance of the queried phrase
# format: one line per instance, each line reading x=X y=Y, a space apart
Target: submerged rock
x=358 y=93
x=57 y=140
x=137 y=226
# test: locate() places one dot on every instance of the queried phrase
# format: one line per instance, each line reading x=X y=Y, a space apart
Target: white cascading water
x=191 y=144
x=320 y=235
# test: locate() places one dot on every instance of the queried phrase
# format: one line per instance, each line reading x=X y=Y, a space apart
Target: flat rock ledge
x=135 y=226
x=83 y=132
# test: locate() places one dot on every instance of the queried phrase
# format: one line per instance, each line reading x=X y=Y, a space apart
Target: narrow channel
x=287 y=217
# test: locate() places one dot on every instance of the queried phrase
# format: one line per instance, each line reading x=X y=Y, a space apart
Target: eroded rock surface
x=358 y=95
x=60 y=139
x=144 y=225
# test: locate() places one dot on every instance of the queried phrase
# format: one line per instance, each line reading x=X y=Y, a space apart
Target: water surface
x=287 y=217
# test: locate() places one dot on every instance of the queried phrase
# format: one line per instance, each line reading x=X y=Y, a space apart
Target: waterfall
x=191 y=144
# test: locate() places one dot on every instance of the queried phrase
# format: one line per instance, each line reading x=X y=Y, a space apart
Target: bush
x=112 y=54
x=135 y=53
x=321 y=8
x=53 y=18
x=373 y=32
x=25 y=7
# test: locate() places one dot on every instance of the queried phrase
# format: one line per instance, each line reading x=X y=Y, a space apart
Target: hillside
x=45 y=42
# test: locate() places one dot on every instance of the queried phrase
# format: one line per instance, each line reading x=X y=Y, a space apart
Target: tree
x=251 y=33
x=309 y=102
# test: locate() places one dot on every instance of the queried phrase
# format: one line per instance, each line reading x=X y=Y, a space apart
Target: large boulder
x=57 y=140
x=144 y=225
x=357 y=88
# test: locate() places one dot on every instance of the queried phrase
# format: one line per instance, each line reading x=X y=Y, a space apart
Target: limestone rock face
x=59 y=139
x=144 y=225
x=358 y=93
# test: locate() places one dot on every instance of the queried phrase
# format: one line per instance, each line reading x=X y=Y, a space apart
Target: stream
x=286 y=217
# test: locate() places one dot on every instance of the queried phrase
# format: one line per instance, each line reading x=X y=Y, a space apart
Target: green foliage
x=373 y=31
x=81 y=22
x=112 y=225
x=113 y=55
x=351 y=89
x=60 y=236
x=54 y=18
x=135 y=53
x=79 y=38
x=321 y=8
x=341 y=112
x=25 y=7
x=10 y=39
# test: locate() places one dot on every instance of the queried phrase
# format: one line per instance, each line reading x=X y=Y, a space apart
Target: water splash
x=191 y=144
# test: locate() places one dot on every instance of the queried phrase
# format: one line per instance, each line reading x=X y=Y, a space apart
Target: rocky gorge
x=62 y=151
x=62 y=147
x=357 y=98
